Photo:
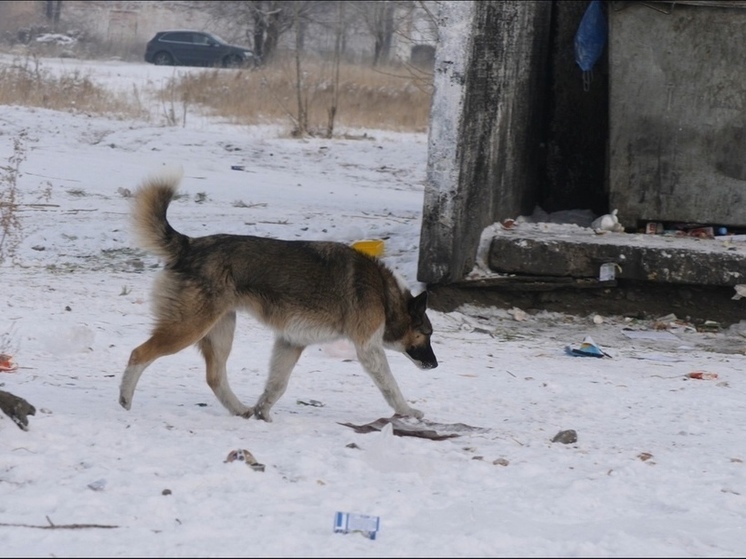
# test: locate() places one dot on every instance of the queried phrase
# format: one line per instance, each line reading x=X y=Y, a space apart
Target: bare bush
x=10 y=223
x=26 y=82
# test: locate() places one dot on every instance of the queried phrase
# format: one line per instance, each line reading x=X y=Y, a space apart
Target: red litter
x=6 y=363
x=702 y=375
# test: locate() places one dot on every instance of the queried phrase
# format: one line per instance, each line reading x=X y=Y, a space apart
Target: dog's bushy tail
x=152 y=229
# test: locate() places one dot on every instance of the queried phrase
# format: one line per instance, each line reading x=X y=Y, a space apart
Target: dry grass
x=25 y=82
x=391 y=99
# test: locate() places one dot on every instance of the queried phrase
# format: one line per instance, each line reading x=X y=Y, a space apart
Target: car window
x=218 y=39
x=177 y=37
x=200 y=39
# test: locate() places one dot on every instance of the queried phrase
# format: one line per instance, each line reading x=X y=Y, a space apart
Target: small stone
x=566 y=437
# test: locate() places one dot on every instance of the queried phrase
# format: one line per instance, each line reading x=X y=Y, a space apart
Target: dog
x=306 y=292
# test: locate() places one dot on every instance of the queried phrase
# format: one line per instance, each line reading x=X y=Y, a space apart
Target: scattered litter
x=98 y=485
x=586 y=349
x=237 y=167
x=608 y=222
x=313 y=403
x=518 y=314
x=348 y=523
x=508 y=224
x=607 y=271
x=6 y=363
x=650 y=335
x=740 y=291
x=410 y=427
x=243 y=455
x=654 y=228
x=568 y=436
x=709 y=326
x=702 y=375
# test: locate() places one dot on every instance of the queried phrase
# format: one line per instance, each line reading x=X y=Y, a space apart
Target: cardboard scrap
x=409 y=427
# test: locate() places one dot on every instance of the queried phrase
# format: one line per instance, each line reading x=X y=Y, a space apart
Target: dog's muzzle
x=423 y=357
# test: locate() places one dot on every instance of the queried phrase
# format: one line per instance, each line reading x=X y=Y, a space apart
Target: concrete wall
x=678 y=113
x=487 y=113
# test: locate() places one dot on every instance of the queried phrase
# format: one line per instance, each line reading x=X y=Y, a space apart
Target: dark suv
x=195 y=48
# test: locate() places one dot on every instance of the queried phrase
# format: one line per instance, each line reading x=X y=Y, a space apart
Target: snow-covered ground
x=657 y=469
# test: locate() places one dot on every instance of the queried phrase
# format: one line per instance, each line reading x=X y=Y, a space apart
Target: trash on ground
x=348 y=523
x=709 y=326
x=740 y=291
x=410 y=427
x=312 y=403
x=98 y=485
x=586 y=349
x=607 y=222
x=243 y=455
x=6 y=363
x=702 y=375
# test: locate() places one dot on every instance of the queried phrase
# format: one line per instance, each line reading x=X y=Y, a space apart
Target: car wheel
x=163 y=59
x=232 y=61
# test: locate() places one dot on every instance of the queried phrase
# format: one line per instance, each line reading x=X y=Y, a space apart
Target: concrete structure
x=487 y=113
x=510 y=129
x=677 y=129
x=678 y=112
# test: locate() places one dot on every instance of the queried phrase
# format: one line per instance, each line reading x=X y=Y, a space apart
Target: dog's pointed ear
x=418 y=305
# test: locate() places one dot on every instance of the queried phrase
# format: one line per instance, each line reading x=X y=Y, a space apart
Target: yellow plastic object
x=373 y=247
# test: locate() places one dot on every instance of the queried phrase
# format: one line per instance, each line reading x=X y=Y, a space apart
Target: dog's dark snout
x=423 y=357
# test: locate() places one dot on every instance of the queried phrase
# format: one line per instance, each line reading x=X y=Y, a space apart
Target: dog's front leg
x=373 y=359
x=284 y=357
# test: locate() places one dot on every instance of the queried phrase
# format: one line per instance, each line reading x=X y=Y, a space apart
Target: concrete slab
x=561 y=250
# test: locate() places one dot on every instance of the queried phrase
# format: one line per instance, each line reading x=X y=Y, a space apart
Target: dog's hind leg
x=216 y=347
x=284 y=357
x=373 y=359
x=167 y=338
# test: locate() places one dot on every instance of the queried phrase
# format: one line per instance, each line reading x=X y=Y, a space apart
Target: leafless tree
x=263 y=22
x=338 y=46
x=53 y=9
x=378 y=18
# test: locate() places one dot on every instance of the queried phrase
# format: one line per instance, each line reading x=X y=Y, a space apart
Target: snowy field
x=657 y=468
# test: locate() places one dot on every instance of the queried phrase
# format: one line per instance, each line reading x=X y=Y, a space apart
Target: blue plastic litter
x=590 y=37
x=586 y=349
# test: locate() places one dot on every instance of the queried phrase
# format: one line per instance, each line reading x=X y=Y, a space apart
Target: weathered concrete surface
x=483 y=156
x=678 y=113
x=686 y=261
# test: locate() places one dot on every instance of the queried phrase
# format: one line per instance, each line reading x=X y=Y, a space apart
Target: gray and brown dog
x=307 y=292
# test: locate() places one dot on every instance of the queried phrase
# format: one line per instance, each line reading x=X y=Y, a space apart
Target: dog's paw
x=411 y=412
x=125 y=403
x=246 y=414
x=263 y=414
x=264 y=417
